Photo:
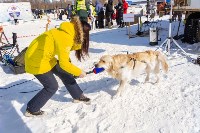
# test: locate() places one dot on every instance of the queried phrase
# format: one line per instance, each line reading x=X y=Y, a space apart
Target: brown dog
x=124 y=66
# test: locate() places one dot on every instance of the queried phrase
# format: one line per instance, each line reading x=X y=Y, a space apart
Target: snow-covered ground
x=171 y=106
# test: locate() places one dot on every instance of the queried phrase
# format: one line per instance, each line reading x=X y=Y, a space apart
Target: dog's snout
x=96 y=65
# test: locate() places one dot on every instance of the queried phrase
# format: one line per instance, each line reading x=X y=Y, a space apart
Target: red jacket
x=125 y=6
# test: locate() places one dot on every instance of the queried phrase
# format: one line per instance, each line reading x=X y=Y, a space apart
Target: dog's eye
x=103 y=61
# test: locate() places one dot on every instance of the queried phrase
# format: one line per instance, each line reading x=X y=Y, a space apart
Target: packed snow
x=170 y=106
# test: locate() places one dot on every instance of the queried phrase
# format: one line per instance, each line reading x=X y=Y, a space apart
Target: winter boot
x=122 y=25
x=32 y=114
x=82 y=98
x=196 y=61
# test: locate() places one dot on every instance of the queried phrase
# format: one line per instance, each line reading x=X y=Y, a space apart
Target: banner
x=21 y=9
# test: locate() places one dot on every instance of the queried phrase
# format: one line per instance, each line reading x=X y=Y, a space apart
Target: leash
x=25 y=92
x=29 y=91
x=4 y=88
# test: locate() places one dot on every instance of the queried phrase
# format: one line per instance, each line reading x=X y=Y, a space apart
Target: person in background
x=125 y=8
x=40 y=14
x=104 y=9
x=92 y=15
x=41 y=62
x=73 y=11
x=36 y=13
x=119 y=14
x=69 y=11
x=61 y=15
x=57 y=12
x=81 y=9
x=15 y=17
x=100 y=12
x=109 y=12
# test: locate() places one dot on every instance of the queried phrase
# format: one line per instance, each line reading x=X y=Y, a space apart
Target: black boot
x=32 y=114
x=122 y=25
x=82 y=98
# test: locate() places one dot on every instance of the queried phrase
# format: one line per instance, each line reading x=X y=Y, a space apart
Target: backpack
x=19 y=59
x=18 y=63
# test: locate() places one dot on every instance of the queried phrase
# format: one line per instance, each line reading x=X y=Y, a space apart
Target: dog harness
x=134 y=60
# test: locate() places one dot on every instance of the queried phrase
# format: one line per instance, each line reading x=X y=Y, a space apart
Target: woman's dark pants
x=50 y=84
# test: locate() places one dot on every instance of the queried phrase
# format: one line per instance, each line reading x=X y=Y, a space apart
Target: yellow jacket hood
x=68 y=28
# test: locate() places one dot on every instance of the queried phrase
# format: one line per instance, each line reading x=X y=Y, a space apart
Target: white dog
x=124 y=66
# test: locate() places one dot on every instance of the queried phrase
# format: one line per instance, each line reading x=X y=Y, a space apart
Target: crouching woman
x=41 y=61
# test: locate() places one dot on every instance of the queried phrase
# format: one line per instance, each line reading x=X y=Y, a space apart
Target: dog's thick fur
x=124 y=66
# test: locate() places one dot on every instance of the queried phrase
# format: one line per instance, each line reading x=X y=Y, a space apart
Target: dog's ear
x=109 y=59
x=113 y=64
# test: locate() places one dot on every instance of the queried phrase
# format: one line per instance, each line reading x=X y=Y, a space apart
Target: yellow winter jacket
x=40 y=55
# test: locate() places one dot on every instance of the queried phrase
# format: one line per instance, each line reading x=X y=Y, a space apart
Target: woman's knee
x=52 y=88
x=69 y=81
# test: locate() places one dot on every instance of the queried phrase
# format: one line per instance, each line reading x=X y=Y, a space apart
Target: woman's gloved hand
x=83 y=74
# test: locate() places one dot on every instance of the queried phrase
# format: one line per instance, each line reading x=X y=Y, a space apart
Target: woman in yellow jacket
x=40 y=61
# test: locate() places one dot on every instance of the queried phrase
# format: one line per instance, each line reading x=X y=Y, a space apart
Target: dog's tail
x=163 y=61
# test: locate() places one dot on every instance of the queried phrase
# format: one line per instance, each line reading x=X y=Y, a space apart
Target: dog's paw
x=147 y=79
x=114 y=97
x=165 y=76
x=155 y=83
x=117 y=95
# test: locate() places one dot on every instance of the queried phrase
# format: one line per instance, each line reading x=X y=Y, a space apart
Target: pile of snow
x=171 y=106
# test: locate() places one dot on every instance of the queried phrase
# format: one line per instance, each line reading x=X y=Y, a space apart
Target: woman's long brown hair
x=85 y=46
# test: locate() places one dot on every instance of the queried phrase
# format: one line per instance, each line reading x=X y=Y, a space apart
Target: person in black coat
x=119 y=17
x=100 y=12
x=109 y=12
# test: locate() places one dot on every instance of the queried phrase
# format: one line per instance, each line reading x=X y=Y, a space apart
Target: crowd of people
x=109 y=11
x=98 y=14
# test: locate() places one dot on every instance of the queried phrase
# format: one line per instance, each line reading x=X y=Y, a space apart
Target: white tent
x=22 y=9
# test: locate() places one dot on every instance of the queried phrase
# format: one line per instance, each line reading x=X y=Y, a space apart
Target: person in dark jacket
x=69 y=11
x=109 y=12
x=119 y=17
x=100 y=12
x=61 y=15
